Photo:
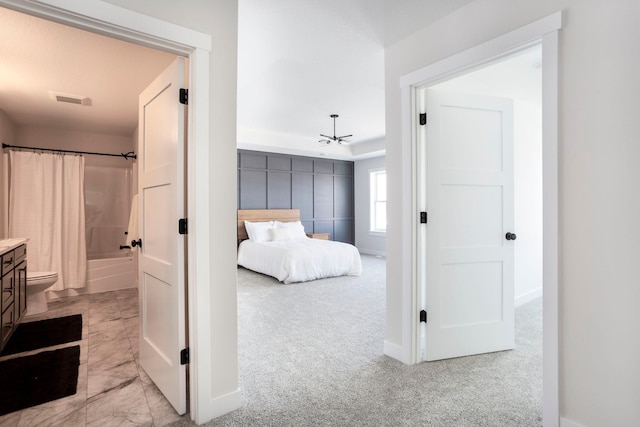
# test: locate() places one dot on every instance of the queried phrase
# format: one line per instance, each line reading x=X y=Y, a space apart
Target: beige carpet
x=310 y=354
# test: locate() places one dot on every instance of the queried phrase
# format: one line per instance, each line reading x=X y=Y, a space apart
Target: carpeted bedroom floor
x=310 y=354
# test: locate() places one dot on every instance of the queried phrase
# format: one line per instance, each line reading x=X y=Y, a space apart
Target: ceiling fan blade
x=345 y=136
x=326 y=136
x=325 y=141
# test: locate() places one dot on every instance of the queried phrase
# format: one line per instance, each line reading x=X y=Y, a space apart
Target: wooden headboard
x=263 y=215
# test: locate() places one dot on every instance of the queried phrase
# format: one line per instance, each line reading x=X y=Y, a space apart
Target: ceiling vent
x=70 y=99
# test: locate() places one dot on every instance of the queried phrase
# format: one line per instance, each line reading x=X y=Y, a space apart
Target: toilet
x=37 y=283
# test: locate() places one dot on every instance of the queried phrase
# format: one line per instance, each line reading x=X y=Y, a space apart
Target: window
x=378 y=180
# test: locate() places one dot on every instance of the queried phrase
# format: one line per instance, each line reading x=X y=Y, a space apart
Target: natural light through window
x=378 y=180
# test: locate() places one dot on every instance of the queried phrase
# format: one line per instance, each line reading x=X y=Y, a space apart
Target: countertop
x=9 y=244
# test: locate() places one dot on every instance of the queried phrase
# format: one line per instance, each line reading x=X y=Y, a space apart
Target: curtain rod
x=127 y=156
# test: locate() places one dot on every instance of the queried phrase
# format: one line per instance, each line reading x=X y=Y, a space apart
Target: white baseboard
x=394 y=351
x=219 y=406
x=374 y=252
x=566 y=422
x=529 y=296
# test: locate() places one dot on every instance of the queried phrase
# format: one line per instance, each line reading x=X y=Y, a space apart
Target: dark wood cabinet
x=14 y=291
x=20 y=277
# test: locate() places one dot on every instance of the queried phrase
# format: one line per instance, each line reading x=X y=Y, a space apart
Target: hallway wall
x=598 y=176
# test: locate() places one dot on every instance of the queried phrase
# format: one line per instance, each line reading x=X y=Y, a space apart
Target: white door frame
x=124 y=24
x=544 y=32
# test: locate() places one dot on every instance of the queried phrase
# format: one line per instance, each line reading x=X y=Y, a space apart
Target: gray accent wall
x=321 y=188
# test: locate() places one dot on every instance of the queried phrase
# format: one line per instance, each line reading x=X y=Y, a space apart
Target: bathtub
x=109 y=274
x=106 y=274
x=123 y=253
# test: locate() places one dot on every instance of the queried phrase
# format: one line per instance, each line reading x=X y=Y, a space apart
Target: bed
x=273 y=242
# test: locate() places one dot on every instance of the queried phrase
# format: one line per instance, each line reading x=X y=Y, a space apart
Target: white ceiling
x=40 y=56
x=518 y=77
x=298 y=62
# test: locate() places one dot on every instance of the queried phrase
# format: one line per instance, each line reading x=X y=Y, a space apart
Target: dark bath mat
x=31 y=380
x=44 y=333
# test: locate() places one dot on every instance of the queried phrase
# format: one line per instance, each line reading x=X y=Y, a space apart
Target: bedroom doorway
x=543 y=32
x=488 y=173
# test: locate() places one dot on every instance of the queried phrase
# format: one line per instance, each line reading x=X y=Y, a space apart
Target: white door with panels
x=467 y=248
x=161 y=246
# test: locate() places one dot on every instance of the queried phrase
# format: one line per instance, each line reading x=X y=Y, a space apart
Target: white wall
x=7 y=129
x=365 y=241
x=7 y=136
x=43 y=137
x=599 y=202
x=528 y=200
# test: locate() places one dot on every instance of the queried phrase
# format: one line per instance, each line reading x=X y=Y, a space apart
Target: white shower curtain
x=46 y=204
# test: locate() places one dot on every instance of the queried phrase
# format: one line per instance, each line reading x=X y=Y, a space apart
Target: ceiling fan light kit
x=339 y=139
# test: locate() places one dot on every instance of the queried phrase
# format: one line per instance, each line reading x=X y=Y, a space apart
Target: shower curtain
x=46 y=204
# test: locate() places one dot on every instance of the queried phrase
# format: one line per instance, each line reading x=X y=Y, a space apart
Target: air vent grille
x=69 y=98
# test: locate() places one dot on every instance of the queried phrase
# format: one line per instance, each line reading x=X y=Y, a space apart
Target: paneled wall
x=321 y=188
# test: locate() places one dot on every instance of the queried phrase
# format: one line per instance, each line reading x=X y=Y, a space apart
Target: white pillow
x=258 y=231
x=295 y=228
x=279 y=234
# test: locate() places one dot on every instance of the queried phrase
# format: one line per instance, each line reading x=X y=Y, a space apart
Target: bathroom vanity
x=13 y=259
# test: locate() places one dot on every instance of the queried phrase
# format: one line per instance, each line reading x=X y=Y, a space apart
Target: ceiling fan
x=339 y=139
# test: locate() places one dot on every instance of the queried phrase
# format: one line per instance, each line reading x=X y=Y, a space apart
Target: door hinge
x=184 y=96
x=184 y=356
x=423 y=316
x=423 y=119
x=182 y=226
x=423 y=217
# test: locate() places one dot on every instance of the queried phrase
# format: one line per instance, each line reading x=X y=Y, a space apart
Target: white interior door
x=161 y=256
x=469 y=199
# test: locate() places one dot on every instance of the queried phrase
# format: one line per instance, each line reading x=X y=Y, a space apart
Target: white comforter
x=300 y=260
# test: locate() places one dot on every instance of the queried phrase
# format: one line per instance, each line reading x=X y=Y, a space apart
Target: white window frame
x=373 y=200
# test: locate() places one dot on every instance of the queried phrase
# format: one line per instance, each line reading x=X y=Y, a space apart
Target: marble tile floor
x=112 y=388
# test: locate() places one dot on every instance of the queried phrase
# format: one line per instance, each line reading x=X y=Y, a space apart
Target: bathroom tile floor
x=112 y=388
